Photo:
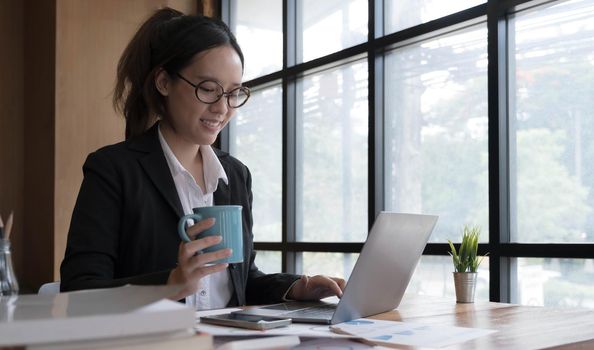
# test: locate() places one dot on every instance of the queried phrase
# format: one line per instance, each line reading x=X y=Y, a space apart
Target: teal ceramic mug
x=227 y=225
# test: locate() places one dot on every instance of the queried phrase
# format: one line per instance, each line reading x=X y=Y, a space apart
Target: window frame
x=502 y=252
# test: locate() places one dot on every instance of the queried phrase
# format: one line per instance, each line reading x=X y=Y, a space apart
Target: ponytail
x=134 y=69
x=167 y=40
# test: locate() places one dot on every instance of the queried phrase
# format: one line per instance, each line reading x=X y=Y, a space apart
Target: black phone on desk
x=246 y=321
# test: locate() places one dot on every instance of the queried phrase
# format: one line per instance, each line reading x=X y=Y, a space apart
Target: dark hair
x=168 y=39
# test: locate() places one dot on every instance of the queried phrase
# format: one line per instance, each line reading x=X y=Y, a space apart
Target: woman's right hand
x=191 y=264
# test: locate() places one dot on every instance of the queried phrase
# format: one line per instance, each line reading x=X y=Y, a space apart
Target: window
x=256 y=121
x=478 y=111
x=433 y=276
x=403 y=14
x=335 y=264
x=259 y=28
x=331 y=154
x=269 y=261
x=435 y=130
x=256 y=139
x=329 y=26
x=555 y=282
x=553 y=126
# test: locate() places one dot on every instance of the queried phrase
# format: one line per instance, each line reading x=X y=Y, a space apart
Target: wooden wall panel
x=11 y=123
x=90 y=37
x=210 y=8
x=39 y=60
x=57 y=72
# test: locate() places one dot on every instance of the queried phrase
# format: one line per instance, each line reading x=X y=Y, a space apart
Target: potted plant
x=466 y=262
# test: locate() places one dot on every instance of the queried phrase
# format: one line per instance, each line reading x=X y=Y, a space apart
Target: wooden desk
x=519 y=327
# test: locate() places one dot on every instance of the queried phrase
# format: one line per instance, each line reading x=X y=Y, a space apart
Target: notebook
x=379 y=278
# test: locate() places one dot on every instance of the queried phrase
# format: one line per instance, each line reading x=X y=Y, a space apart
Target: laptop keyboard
x=295 y=305
x=320 y=311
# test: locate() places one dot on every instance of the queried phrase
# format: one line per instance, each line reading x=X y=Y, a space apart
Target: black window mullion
x=510 y=263
x=376 y=138
x=289 y=262
x=228 y=15
x=289 y=178
x=527 y=250
x=498 y=152
x=375 y=147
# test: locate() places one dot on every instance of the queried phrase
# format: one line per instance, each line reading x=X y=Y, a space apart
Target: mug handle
x=182 y=226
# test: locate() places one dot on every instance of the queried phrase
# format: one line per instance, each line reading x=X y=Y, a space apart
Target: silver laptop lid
x=385 y=265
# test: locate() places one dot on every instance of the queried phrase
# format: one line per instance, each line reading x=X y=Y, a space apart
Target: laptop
x=379 y=278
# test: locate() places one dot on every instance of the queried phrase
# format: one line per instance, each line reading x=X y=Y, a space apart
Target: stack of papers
x=129 y=312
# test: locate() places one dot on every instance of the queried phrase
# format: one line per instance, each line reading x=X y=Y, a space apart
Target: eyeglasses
x=209 y=92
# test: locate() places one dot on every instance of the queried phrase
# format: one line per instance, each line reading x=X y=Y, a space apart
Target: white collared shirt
x=215 y=290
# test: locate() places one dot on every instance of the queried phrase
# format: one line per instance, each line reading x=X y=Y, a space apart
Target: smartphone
x=246 y=321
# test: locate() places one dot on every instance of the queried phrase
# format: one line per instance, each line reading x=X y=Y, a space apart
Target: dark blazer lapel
x=237 y=280
x=156 y=167
x=222 y=195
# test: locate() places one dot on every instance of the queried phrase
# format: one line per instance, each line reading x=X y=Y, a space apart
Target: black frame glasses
x=205 y=92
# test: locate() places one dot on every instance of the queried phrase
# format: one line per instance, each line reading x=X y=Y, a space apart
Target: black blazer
x=124 y=225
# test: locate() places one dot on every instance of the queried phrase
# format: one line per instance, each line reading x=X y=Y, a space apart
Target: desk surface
x=519 y=327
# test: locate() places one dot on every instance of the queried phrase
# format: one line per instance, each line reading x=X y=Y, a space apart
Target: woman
x=178 y=85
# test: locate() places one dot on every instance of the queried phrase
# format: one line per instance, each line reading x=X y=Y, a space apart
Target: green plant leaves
x=466 y=259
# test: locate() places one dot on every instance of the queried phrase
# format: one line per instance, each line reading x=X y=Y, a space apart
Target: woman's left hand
x=316 y=288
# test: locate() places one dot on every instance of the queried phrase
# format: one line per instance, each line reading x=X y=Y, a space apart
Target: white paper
x=300 y=329
x=413 y=334
x=91 y=314
x=334 y=343
x=260 y=343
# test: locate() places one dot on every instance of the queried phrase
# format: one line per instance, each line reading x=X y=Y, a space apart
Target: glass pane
x=552 y=124
x=258 y=27
x=329 y=264
x=402 y=14
x=555 y=282
x=332 y=155
x=435 y=148
x=329 y=26
x=433 y=276
x=269 y=261
x=256 y=139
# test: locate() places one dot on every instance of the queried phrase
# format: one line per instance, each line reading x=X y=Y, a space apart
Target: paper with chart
x=405 y=333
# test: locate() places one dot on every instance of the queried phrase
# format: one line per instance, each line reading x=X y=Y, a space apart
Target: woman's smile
x=213 y=125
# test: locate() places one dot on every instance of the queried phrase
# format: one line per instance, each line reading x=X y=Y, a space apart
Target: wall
x=11 y=121
x=91 y=36
x=38 y=139
x=57 y=72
